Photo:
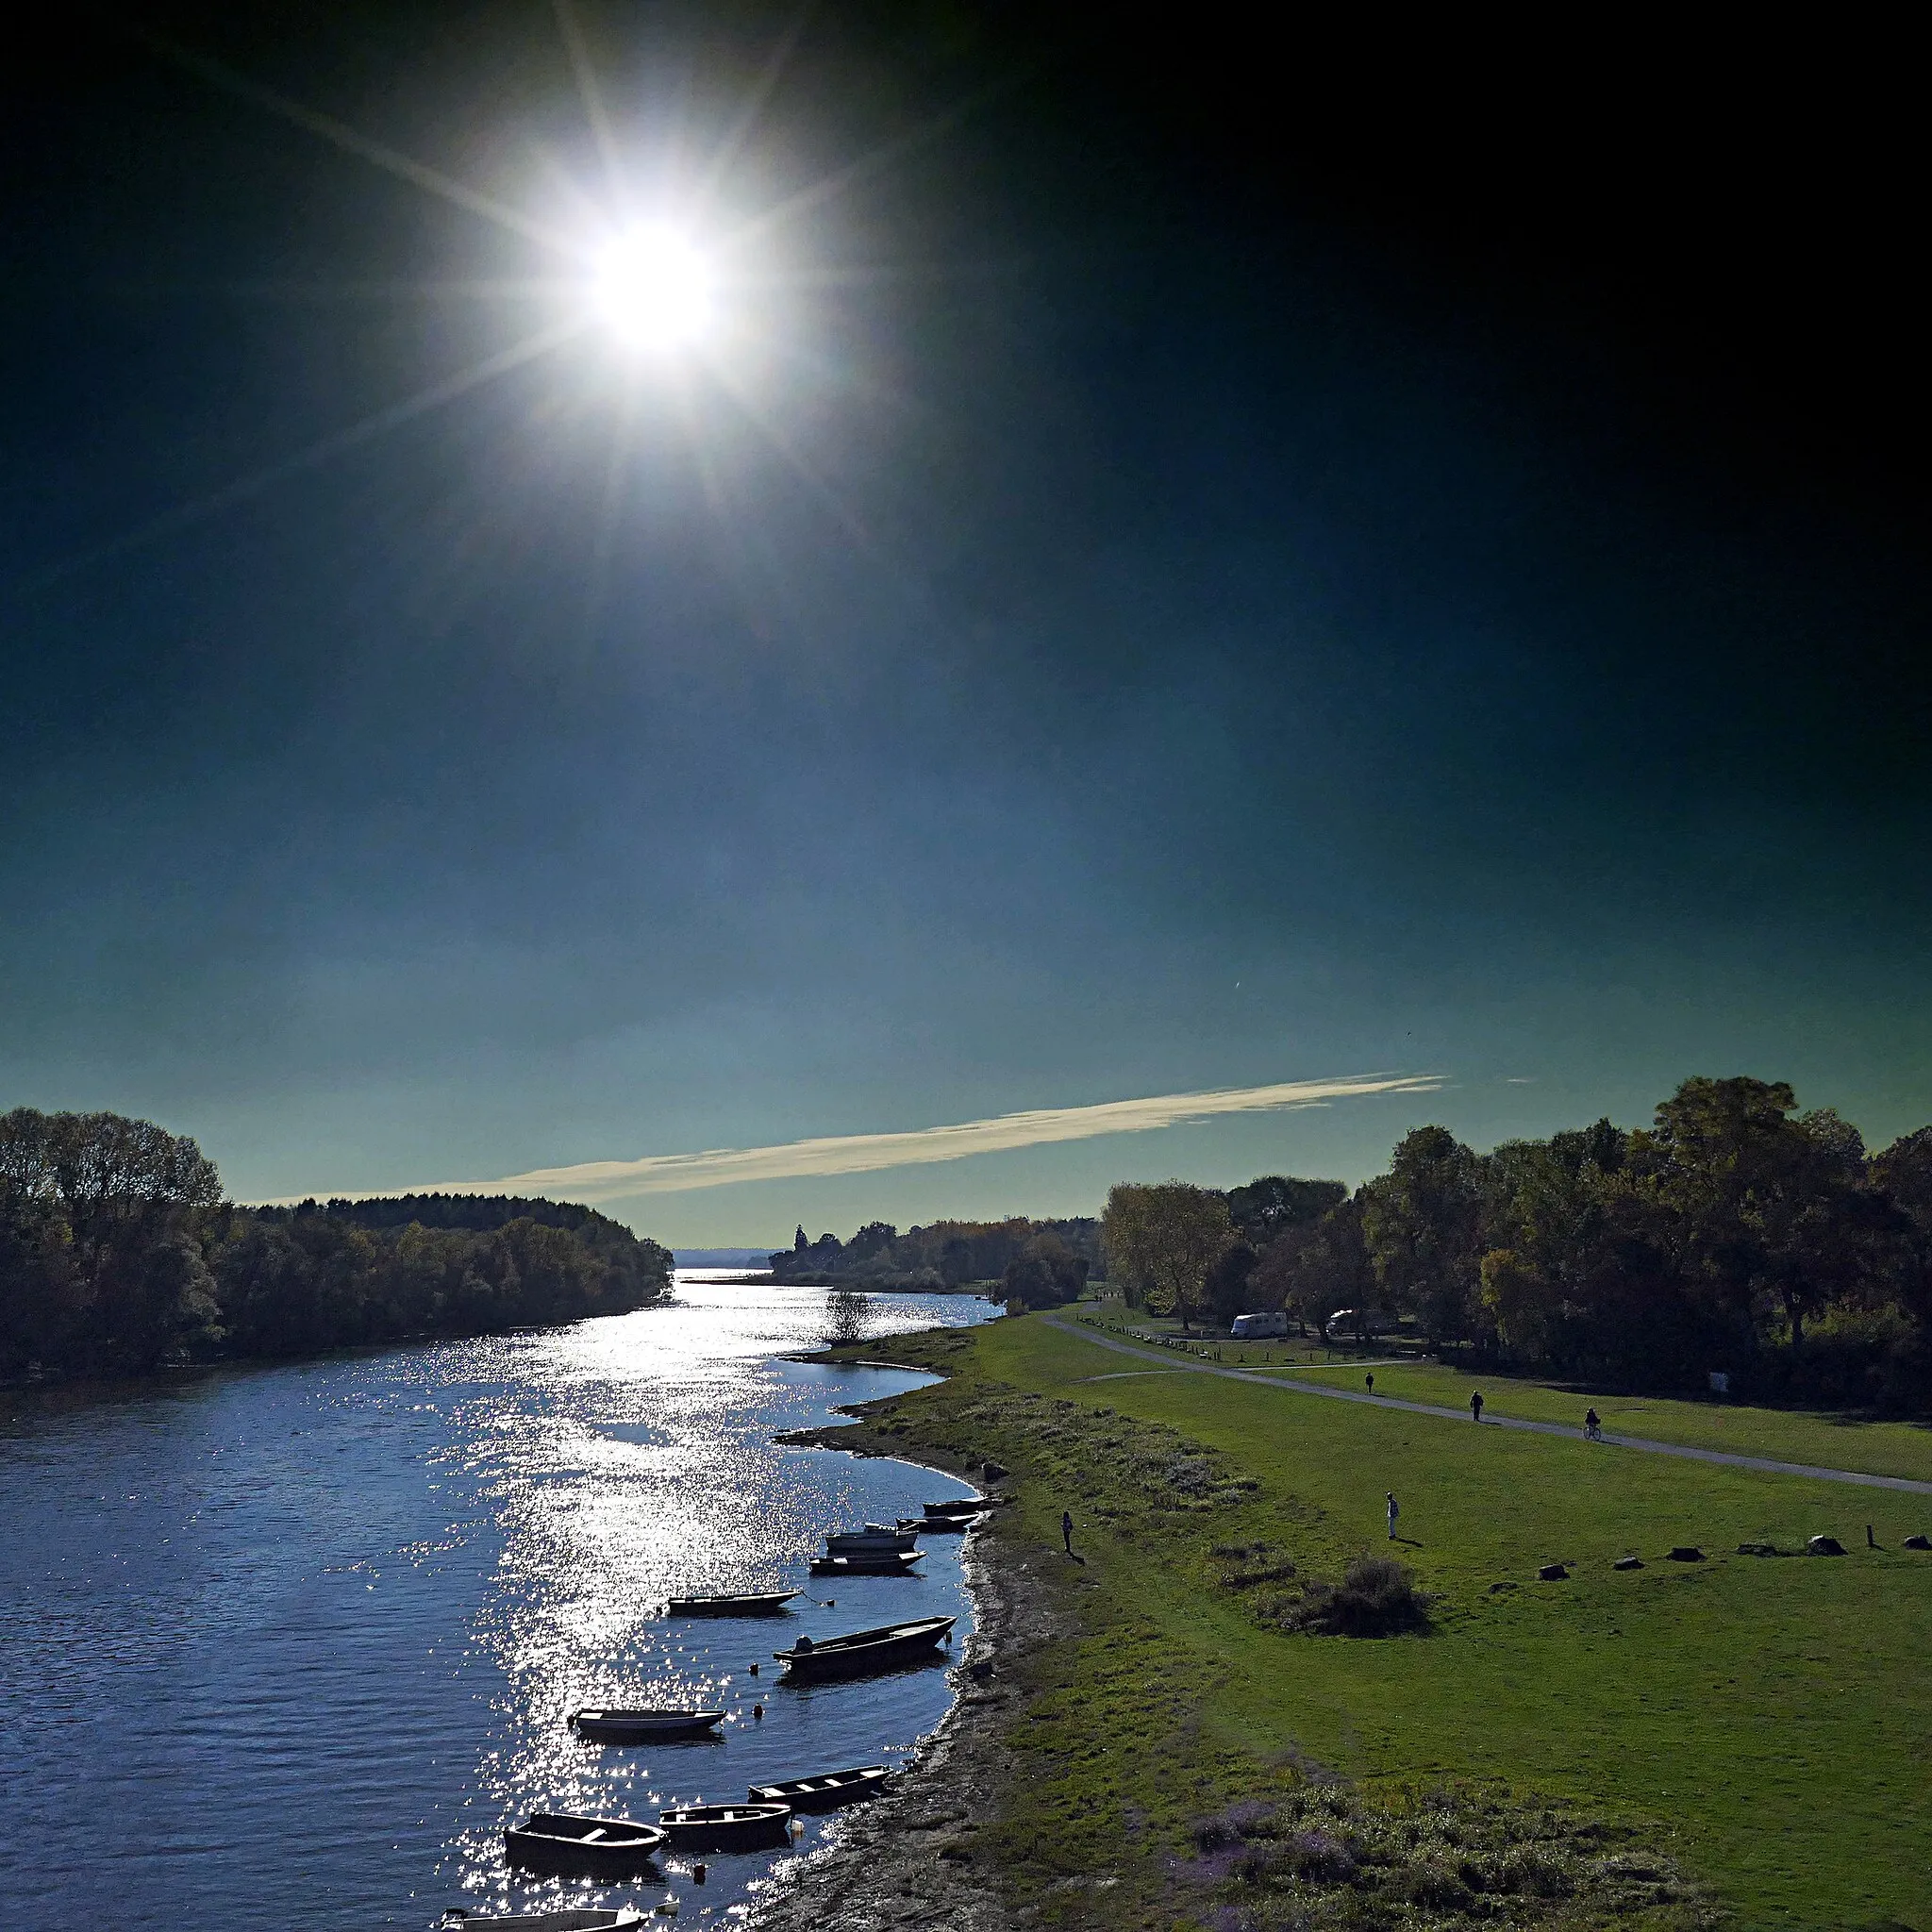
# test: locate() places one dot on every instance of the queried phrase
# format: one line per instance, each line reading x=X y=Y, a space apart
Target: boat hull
x=864 y=1566
x=551 y=1842
x=725 y=1827
x=768 y=1603
x=866 y=1652
x=587 y=1919
x=827 y=1792
x=647 y=1726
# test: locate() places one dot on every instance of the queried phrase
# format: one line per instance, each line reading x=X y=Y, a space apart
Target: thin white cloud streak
x=677 y=1173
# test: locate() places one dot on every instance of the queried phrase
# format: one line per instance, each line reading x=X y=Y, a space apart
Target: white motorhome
x=1253 y=1327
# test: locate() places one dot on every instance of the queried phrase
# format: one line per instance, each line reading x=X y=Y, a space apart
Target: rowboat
x=557 y=1842
x=613 y=1727
x=582 y=1918
x=938 y=1526
x=858 y=1543
x=883 y=1564
x=725 y=1827
x=828 y=1790
x=862 y=1651
x=764 y=1602
x=969 y=1506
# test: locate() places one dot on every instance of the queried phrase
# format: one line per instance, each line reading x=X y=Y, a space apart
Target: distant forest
x=1039 y=1261
x=1735 y=1235
x=119 y=1256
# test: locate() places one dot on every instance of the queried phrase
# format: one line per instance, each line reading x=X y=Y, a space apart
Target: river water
x=290 y=1646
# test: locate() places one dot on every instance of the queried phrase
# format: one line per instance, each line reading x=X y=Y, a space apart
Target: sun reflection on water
x=633 y=1461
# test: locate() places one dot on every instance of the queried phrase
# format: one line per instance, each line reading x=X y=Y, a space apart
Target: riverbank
x=1173 y=1748
x=913 y=1857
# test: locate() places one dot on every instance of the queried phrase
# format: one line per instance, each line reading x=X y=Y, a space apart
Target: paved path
x=1500 y=1421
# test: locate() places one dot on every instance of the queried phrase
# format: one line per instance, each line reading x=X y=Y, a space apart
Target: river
x=291 y=1645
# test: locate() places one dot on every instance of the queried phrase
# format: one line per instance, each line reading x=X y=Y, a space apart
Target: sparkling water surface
x=290 y=1646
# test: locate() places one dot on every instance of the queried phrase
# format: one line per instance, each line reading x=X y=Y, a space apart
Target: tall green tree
x=1422 y=1224
x=1162 y=1240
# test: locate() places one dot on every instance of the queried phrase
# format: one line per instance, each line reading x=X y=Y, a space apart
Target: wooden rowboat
x=616 y=1726
x=557 y=1842
x=939 y=1526
x=828 y=1790
x=581 y=1918
x=970 y=1506
x=886 y=1563
x=763 y=1602
x=725 y=1827
x=864 y=1651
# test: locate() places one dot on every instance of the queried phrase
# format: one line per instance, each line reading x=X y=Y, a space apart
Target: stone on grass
x=1627 y=1563
x=1687 y=1553
x=1918 y=1543
x=1758 y=1549
x=1553 y=1572
x=1824 y=1547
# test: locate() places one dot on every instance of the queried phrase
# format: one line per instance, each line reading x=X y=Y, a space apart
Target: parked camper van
x=1252 y=1327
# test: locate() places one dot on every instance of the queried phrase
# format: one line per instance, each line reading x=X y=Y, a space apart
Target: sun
x=654 y=287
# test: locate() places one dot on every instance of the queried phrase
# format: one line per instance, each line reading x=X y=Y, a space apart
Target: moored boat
x=560 y=1841
x=757 y=1603
x=611 y=1726
x=860 y=1652
x=882 y=1563
x=863 y=1543
x=725 y=1827
x=965 y=1506
x=939 y=1526
x=825 y=1792
x=578 y=1919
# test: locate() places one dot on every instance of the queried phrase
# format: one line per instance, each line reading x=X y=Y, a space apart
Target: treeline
x=1037 y=1261
x=1734 y=1234
x=118 y=1255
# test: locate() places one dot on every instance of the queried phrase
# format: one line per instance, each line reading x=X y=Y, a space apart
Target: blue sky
x=1075 y=632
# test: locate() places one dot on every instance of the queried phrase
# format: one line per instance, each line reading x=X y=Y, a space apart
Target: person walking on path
x=1476 y=1404
x=1372 y=1381
x=1592 y=1426
x=1394 y=1510
x=1067 y=1529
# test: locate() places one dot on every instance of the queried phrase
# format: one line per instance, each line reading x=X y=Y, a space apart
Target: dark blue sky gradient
x=1247 y=624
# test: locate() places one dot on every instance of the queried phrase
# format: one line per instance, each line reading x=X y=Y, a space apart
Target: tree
x=1268 y=1206
x=1162 y=1240
x=1045 y=1273
x=1311 y=1270
x=1226 y=1288
x=1767 y=1209
x=1421 y=1221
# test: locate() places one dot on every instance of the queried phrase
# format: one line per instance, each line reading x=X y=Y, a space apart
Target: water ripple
x=293 y=1646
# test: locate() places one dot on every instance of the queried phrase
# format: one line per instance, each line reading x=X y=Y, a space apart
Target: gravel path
x=1649 y=1447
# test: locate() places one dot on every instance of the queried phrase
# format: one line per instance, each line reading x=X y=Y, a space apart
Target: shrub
x=1377 y=1597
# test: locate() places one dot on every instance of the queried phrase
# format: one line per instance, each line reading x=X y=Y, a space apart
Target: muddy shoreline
x=911 y=1859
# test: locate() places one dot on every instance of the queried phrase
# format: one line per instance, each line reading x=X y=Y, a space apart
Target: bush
x=1377 y=1597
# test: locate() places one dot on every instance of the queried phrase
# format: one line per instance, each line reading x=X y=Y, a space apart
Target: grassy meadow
x=1761 y=1722
x=1829 y=1441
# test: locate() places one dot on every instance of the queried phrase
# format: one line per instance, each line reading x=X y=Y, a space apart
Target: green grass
x=1763 y=1721
x=1828 y=1441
